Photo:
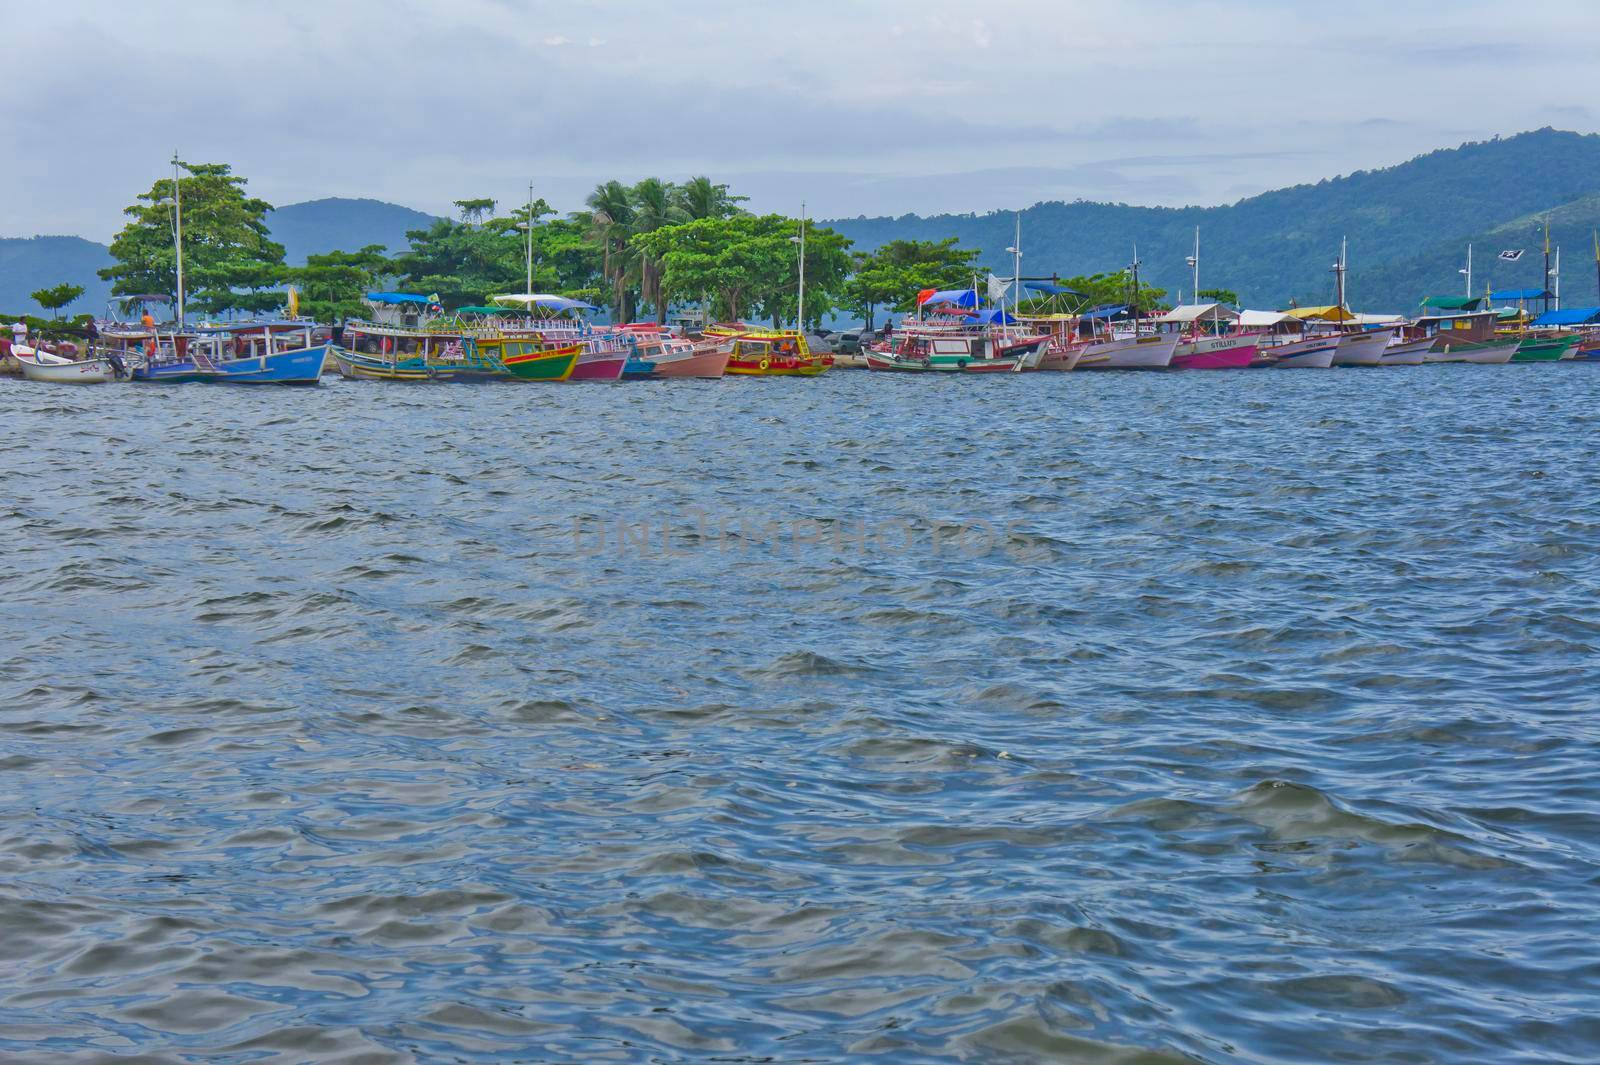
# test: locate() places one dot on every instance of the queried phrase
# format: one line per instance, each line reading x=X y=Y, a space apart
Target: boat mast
x=528 y=224
x=1558 y=277
x=1339 y=269
x=1133 y=302
x=1016 y=275
x=1194 y=264
x=177 y=230
x=1597 y=261
x=800 y=313
x=1547 y=264
x=1469 y=271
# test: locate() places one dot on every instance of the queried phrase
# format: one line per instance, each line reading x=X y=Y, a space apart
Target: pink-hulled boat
x=1230 y=352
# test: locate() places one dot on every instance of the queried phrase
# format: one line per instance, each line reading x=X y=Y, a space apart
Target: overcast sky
x=859 y=107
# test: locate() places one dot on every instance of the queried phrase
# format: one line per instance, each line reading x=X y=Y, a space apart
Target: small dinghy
x=57 y=369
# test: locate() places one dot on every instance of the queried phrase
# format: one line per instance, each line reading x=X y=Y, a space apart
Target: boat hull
x=1315 y=354
x=85 y=372
x=707 y=365
x=1362 y=349
x=782 y=367
x=1142 y=353
x=302 y=366
x=604 y=366
x=1553 y=349
x=1407 y=353
x=885 y=361
x=1061 y=359
x=1496 y=354
x=1215 y=353
x=553 y=364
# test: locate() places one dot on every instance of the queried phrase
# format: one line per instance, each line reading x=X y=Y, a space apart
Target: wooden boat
x=1484 y=353
x=769 y=352
x=1363 y=348
x=275 y=352
x=1548 y=348
x=954 y=346
x=1149 y=351
x=1407 y=352
x=1227 y=352
x=658 y=355
x=381 y=352
x=528 y=359
x=1311 y=353
x=56 y=369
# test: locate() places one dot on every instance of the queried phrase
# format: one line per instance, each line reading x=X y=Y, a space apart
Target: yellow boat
x=770 y=352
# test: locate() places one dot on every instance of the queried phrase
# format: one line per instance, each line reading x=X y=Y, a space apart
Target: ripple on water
x=1244 y=739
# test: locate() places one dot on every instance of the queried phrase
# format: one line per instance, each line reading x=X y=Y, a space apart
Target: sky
x=864 y=107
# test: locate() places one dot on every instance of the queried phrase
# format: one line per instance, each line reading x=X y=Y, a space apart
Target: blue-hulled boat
x=278 y=352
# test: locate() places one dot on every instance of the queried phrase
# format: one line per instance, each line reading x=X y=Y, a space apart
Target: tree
x=332 y=284
x=611 y=222
x=1099 y=290
x=56 y=297
x=230 y=261
x=699 y=198
x=474 y=211
x=745 y=264
x=1218 y=295
x=894 y=274
x=466 y=263
x=655 y=205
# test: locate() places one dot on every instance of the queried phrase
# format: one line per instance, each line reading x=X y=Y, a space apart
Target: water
x=1242 y=717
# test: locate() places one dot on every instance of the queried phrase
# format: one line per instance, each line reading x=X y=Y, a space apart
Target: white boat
x=1406 y=352
x=56 y=369
x=1312 y=353
x=1362 y=349
x=1496 y=353
x=1150 y=352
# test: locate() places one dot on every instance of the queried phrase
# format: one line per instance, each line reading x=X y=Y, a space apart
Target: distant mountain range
x=311 y=228
x=1408 y=227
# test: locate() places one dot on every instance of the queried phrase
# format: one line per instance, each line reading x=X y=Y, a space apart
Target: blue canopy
x=1050 y=290
x=960 y=297
x=397 y=298
x=1110 y=310
x=1568 y=316
x=994 y=317
x=1522 y=294
x=530 y=300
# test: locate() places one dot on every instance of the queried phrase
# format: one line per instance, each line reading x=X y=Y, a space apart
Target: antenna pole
x=177 y=230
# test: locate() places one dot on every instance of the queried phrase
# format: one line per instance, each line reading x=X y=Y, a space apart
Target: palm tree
x=610 y=217
x=655 y=204
x=699 y=198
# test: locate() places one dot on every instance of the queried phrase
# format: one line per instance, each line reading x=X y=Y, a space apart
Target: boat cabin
x=1477 y=327
x=1214 y=319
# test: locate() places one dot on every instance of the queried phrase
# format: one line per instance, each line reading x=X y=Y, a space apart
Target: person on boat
x=19 y=335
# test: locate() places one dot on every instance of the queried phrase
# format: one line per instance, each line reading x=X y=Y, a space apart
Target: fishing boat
x=44 y=366
x=1402 y=352
x=1314 y=352
x=1149 y=351
x=1363 y=348
x=1549 y=347
x=562 y=321
x=984 y=344
x=1490 y=353
x=276 y=352
x=1207 y=337
x=526 y=358
x=380 y=352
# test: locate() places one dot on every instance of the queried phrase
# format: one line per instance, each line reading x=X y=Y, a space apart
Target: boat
x=754 y=352
x=435 y=351
x=1363 y=348
x=1402 y=352
x=1484 y=353
x=959 y=345
x=1227 y=352
x=1150 y=351
x=527 y=358
x=1551 y=347
x=50 y=368
x=658 y=355
x=603 y=354
x=274 y=352
x=1314 y=352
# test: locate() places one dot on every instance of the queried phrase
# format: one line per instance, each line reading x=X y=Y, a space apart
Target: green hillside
x=1408 y=227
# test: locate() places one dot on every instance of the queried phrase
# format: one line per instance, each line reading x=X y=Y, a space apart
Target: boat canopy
x=395 y=299
x=480 y=310
x=1326 y=314
x=959 y=297
x=1109 y=310
x=1050 y=289
x=1568 y=316
x=1453 y=303
x=1195 y=312
x=1508 y=314
x=1264 y=319
x=994 y=317
x=1523 y=294
x=541 y=299
x=1376 y=319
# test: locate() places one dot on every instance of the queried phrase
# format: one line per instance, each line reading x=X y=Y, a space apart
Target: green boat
x=527 y=358
x=1544 y=349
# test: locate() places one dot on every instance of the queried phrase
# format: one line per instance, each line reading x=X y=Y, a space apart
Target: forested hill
x=1408 y=227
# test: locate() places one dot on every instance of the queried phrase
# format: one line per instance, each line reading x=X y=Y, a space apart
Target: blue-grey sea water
x=1231 y=717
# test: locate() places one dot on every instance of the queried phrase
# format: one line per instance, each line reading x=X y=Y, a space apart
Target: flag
x=1511 y=256
x=924 y=295
x=998 y=287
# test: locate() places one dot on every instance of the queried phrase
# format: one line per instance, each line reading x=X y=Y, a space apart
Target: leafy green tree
x=466 y=263
x=1098 y=290
x=894 y=274
x=655 y=205
x=747 y=264
x=332 y=284
x=474 y=211
x=611 y=226
x=230 y=261
x=1218 y=295
x=56 y=297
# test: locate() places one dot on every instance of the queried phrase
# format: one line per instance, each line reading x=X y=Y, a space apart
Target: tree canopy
x=56 y=297
x=892 y=275
x=230 y=261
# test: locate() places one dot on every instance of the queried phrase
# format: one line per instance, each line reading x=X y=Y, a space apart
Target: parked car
x=847 y=342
